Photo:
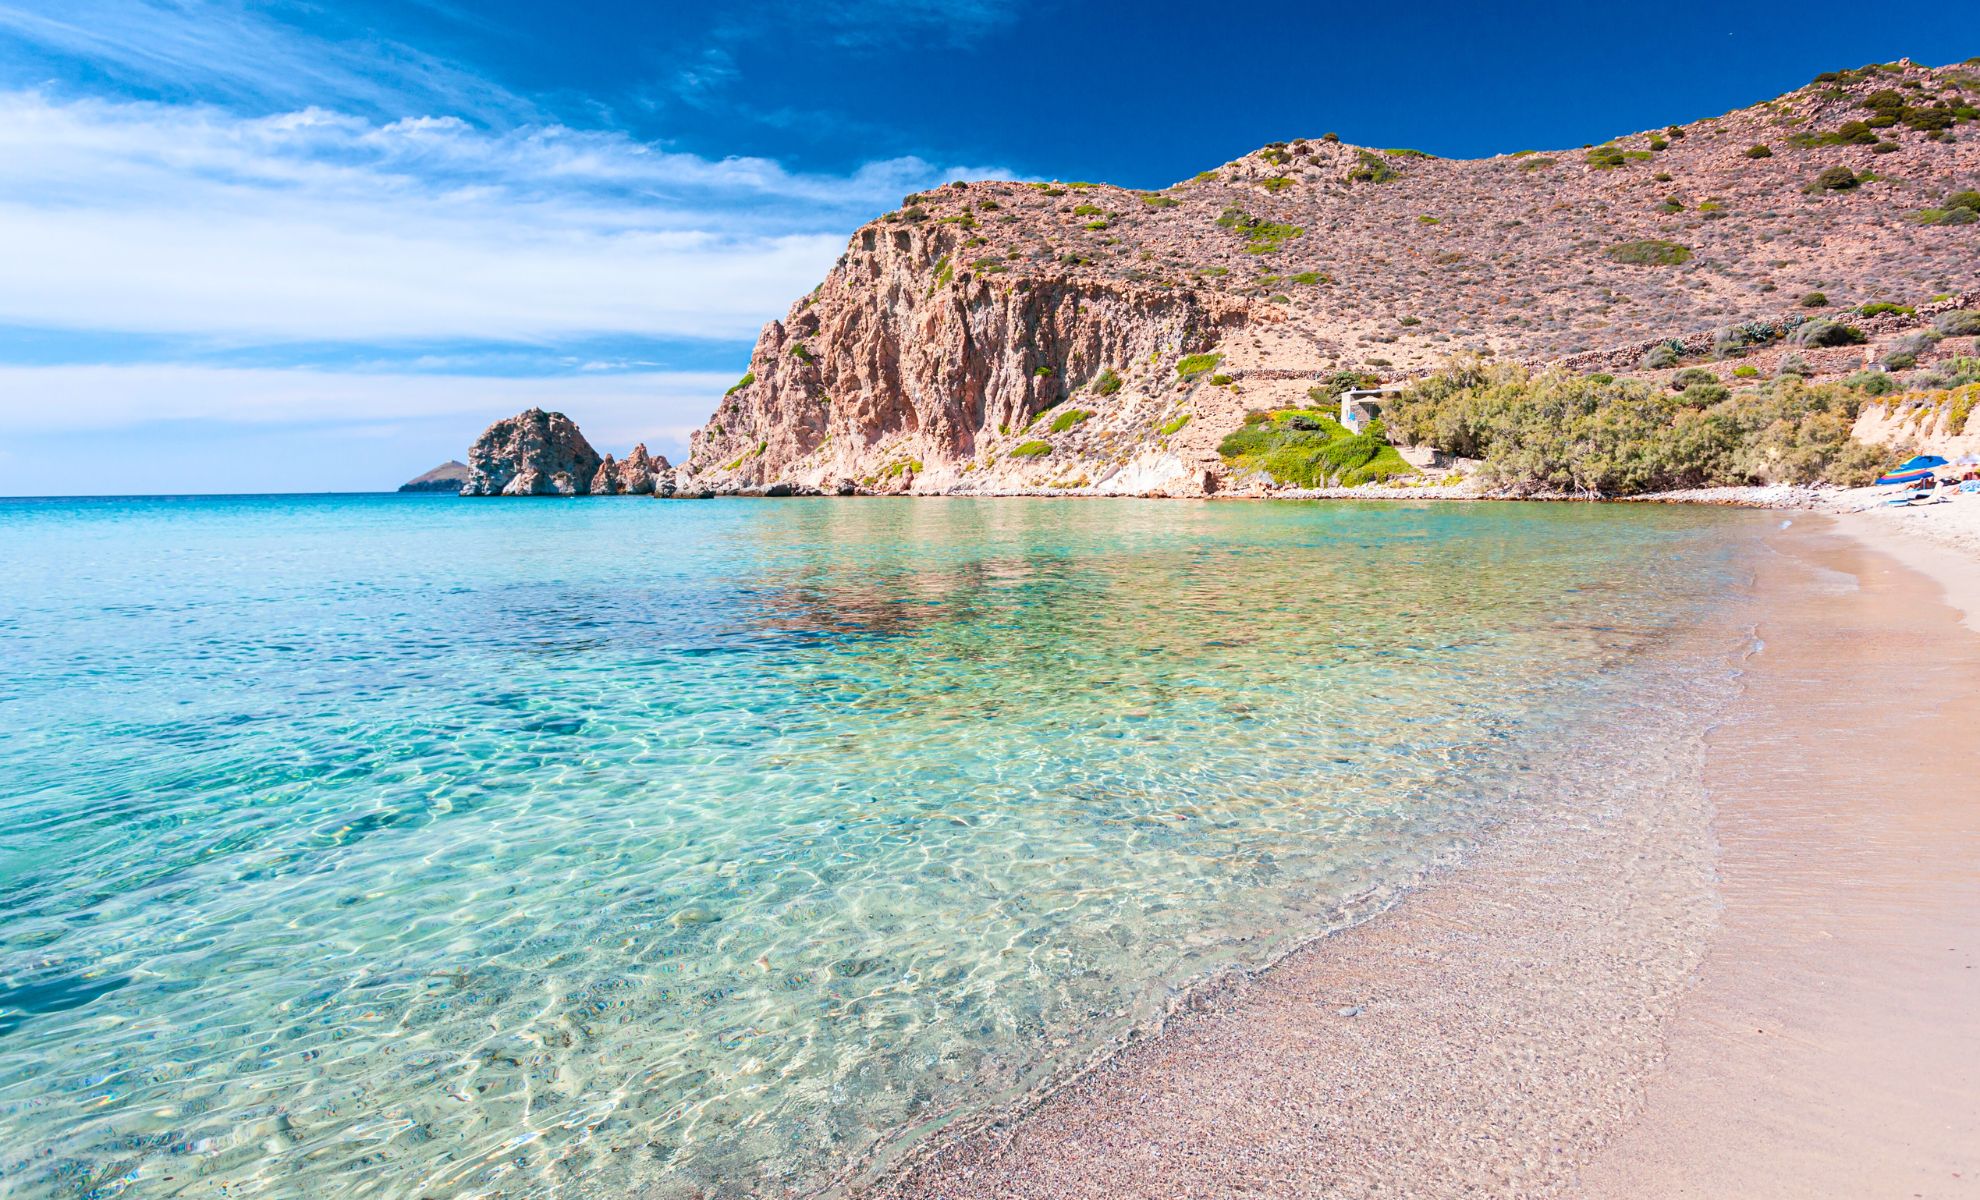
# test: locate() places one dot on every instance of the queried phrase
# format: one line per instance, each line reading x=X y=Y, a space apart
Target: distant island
x=447 y=477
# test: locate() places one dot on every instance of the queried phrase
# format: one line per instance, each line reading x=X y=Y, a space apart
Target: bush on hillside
x=1959 y=323
x=1872 y=383
x=1833 y=179
x=1690 y=375
x=1815 y=300
x=1308 y=448
x=1824 y=332
x=1760 y=151
x=1619 y=437
x=1194 y=366
x=1649 y=252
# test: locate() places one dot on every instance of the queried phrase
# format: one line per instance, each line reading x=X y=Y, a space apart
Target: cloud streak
x=231 y=53
x=321 y=226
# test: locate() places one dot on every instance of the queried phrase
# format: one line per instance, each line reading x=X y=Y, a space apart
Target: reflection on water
x=398 y=847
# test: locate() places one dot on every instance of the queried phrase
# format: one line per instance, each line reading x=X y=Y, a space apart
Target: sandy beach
x=1750 y=971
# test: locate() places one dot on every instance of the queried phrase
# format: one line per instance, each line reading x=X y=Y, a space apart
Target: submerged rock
x=533 y=453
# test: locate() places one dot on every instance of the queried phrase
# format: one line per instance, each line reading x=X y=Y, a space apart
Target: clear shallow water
x=406 y=846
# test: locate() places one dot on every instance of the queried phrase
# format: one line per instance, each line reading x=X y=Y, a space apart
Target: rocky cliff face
x=1004 y=337
x=534 y=453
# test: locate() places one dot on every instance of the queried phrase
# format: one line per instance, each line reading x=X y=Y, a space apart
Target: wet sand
x=1638 y=993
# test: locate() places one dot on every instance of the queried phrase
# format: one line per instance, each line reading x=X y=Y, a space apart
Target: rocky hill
x=448 y=477
x=1001 y=337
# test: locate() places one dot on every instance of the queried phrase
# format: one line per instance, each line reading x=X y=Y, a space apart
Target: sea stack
x=633 y=477
x=533 y=453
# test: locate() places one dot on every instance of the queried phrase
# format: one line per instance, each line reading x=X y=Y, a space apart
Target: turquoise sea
x=398 y=847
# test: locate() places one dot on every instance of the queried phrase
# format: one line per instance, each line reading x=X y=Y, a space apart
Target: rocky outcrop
x=534 y=453
x=633 y=477
x=1047 y=338
x=909 y=372
x=448 y=477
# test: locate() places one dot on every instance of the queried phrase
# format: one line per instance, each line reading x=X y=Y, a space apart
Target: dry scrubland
x=1001 y=337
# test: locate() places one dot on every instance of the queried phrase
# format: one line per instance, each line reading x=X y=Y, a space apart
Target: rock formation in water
x=633 y=477
x=447 y=477
x=534 y=453
x=1001 y=337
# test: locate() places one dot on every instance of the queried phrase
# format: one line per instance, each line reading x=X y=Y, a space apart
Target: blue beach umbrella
x=1912 y=471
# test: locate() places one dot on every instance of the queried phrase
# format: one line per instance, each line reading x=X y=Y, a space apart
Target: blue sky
x=288 y=246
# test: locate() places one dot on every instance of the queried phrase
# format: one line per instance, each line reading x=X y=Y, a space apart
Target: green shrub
x=1069 y=418
x=1154 y=200
x=1960 y=323
x=1106 y=383
x=748 y=378
x=1876 y=307
x=1371 y=167
x=1872 y=383
x=1833 y=179
x=1264 y=237
x=1170 y=427
x=1746 y=371
x=1824 y=332
x=1946 y=216
x=1307 y=448
x=1220 y=380
x=1194 y=366
x=1649 y=252
x=1621 y=437
x=1691 y=375
x=1901 y=360
x=1311 y=277
x=1760 y=151
x=1658 y=357
x=1032 y=450
x=1815 y=300
x=1087 y=210
x=1606 y=158
x=801 y=353
x=1929 y=120
x=1276 y=183
x=1704 y=395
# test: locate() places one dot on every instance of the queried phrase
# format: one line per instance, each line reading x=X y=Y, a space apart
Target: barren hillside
x=1011 y=337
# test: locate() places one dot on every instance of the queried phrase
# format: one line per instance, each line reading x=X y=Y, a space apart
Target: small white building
x=1362 y=405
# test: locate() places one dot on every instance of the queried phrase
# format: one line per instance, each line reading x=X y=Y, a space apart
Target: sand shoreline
x=1548 y=1019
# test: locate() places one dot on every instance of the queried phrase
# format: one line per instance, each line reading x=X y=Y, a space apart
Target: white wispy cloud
x=313 y=225
x=236 y=53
